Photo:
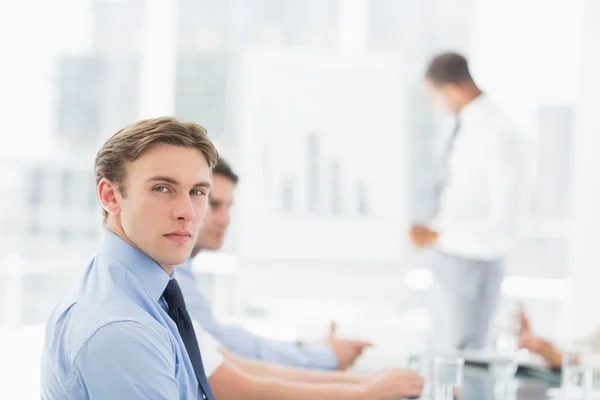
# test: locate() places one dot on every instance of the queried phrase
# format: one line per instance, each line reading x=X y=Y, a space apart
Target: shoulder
x=101 y=312
x=122 y=343
x=129 y=335
x=124 y=359
x=498 y=121
x=491 y=127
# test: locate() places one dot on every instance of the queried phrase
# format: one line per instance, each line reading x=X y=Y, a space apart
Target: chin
x=176 y=260
x=213 y=246
x=178 y=257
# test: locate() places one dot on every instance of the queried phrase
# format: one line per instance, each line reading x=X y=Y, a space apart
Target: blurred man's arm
x=551 y=355
x=291 y=374
x=334 y=353
x=229 y=382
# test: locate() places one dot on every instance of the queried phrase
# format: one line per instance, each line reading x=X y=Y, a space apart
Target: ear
x=109 y=196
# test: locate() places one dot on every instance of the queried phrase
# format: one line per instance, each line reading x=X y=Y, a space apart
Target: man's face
x=212 y=232
x=166 y=201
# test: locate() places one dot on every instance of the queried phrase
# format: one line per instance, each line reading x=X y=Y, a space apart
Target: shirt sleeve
x=124 y=360
x=244 y=343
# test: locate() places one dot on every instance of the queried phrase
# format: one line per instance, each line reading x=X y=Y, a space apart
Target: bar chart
x=319 y=159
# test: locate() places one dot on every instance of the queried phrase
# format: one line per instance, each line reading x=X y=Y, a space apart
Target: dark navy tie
x=179 y=314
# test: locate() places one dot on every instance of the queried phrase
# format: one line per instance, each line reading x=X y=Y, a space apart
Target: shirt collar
x=472 y=108
x=146 y=270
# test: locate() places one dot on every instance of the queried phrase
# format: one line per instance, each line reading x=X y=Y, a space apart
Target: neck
x=197 y=249
x=167 y=268
x=116 y=228
x=471 y=94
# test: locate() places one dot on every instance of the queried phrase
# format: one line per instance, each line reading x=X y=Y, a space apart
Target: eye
x=198 y=192
x=161 y=189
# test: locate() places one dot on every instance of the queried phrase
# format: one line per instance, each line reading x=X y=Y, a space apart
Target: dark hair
x=132 y=141
x=449 y=68
x=224 y=169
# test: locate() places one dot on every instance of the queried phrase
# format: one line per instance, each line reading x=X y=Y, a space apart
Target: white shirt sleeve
x=209 y=349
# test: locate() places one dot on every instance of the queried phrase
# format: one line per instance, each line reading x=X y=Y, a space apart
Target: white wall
x=584 y=260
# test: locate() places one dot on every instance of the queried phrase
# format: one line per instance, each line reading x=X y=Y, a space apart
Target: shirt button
x=203 y=396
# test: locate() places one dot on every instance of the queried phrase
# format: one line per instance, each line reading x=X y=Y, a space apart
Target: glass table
x=529 y=383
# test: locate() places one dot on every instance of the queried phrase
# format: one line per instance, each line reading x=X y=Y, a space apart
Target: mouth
x=179 y=236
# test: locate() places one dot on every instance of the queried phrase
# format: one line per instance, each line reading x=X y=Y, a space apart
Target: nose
x=184 y=208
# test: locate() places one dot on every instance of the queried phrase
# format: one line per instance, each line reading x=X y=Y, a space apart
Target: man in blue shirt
x=125 y=333
x=334 y=353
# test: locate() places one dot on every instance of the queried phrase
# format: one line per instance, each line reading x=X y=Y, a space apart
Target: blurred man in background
x=483 y=180
x=332 y=353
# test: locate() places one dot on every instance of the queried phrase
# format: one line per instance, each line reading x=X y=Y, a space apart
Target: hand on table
x=346 y=350
x=393 y=384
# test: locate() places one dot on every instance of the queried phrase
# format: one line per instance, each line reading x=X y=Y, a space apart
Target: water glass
x=577 y=372
x=504 y=358
x=423 y=365
x=447 y=374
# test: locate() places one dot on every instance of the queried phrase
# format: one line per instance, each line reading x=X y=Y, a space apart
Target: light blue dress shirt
x=246 y=344
x=113 y=338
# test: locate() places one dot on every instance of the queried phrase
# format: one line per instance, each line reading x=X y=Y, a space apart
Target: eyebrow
x=173 y=181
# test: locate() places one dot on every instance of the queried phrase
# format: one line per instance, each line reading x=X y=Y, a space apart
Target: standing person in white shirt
x=479 y=201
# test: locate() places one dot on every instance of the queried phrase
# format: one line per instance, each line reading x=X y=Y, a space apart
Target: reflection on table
x=479 y=383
